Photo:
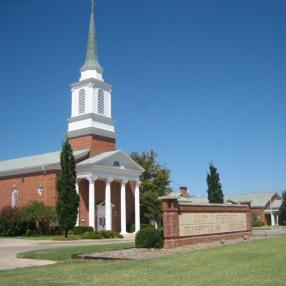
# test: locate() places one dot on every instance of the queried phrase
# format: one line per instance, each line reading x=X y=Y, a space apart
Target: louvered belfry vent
x=81 y=101
x=100 y=101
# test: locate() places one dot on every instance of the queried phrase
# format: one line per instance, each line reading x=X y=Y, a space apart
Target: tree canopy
x=38 y=217
x=215 y=193
x=282 y=210
x=155 y=182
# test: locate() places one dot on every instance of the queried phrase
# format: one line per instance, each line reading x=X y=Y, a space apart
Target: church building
x=107 y=179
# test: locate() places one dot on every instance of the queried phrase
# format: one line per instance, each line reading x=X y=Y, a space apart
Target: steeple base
x=96 y=144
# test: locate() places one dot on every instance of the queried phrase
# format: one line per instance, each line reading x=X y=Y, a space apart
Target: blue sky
x=197 y=81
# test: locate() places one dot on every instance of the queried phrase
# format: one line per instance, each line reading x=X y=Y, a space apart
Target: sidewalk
x=10 y=247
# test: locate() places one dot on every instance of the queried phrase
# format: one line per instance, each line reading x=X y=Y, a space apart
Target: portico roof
x=115 y=164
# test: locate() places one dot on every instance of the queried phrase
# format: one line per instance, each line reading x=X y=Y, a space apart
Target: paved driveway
x=11 y=246
x=262 y=232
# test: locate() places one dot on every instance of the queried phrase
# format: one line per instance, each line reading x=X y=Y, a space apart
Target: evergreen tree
x=282 y=210
x=155 y=182
x=67 y=199
x=215 y=193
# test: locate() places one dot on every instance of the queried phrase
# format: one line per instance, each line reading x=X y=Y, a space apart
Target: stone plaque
x=211 y=223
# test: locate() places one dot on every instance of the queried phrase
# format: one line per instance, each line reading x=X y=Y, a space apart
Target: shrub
x=38 y=218
x=107 y=233
x=98 y=235
x=145 y=225
x=82 y=229
x=110 y=234
x=55 y=230
x=116 y=235
x=257 y=223
x=101 y=234
x=29 y=232
x=149 y=238
x=10 y=222
x=89 y=235
x=63 y=238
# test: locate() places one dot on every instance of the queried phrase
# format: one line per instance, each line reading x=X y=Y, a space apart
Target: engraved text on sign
x=211 y=223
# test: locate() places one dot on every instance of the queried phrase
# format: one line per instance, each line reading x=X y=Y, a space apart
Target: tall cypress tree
x=215 y=193
x=67 y=199
x=282 y=210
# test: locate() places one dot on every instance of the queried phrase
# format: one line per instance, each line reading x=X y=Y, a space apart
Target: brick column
x=249 y=218
x=170 y=209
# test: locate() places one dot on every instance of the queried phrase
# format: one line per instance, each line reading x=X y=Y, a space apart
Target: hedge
x=149 y=238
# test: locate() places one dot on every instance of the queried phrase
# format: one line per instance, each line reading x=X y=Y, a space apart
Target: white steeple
x=91 y=96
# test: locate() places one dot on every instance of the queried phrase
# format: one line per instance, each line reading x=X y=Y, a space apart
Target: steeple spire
x=91 y=61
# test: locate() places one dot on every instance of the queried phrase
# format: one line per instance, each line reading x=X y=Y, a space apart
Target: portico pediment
x=113 y=163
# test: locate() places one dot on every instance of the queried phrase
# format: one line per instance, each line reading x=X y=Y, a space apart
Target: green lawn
x=260 y=262
x=44 y=237
x=64 y=253
x=40 y=237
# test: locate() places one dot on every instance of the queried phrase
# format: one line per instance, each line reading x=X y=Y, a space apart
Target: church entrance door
x=100 y=217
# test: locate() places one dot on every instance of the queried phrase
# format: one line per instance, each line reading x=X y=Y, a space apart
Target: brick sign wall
x=187 y=223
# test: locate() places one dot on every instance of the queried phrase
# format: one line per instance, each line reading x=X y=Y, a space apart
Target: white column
x=108 y=217
x=78 y=214
x=91 y=202
x=123 y=207
x=272 y=219
x=277 y=219
x=137 y=207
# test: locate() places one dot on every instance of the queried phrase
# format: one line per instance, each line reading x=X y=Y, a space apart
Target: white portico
x=110 y=194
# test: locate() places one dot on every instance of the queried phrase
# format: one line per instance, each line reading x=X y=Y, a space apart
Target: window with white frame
x=15 y=197
x=81 y=101
x=100 y=105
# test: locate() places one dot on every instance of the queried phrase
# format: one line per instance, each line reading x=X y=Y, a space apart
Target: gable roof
x=107 y=155
x=36 y=163
x=256 y=199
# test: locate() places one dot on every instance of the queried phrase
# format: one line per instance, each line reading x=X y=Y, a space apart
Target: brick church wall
x=27 y=186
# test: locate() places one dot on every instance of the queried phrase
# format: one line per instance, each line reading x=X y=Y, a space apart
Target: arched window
x=15 y=196
x=81 y=101
x=100 y=105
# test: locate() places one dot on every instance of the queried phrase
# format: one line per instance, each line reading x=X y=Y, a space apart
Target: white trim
x=123 y=207
x=91 y=203
x=108 y=209
x=78 y=213
x=137 y=206
x=95 y=83
x=103 y=176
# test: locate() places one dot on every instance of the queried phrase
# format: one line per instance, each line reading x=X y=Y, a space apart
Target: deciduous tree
x=282 y=209
x=155 y=182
